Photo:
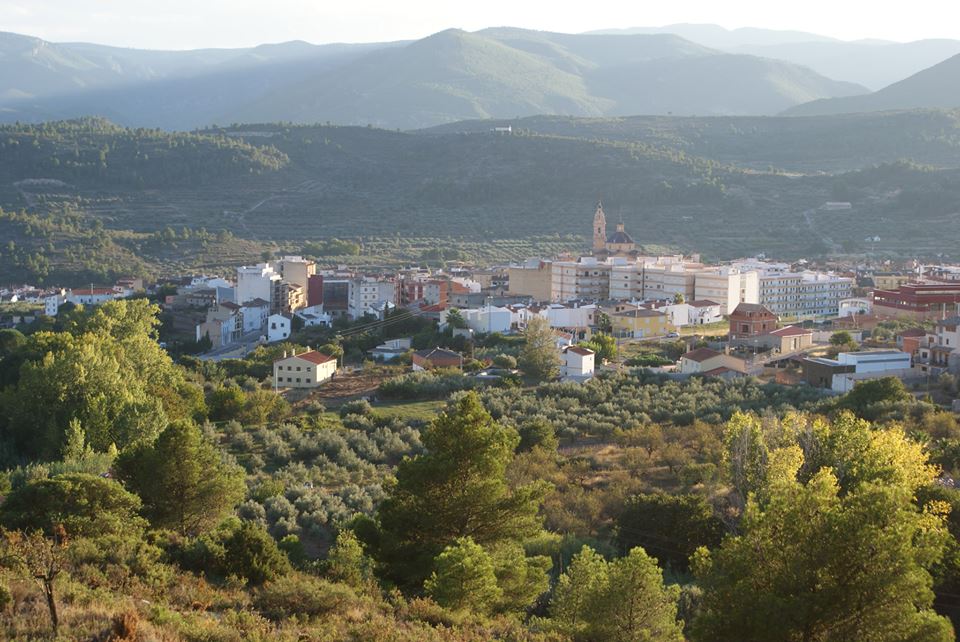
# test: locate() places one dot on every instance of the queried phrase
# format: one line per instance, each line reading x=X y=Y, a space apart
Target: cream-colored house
x=304 y=370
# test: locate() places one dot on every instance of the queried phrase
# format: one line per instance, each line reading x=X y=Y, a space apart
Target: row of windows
x=290 y=368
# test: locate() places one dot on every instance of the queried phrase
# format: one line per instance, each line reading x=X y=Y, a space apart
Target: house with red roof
x=577 y=363
x=305 y=370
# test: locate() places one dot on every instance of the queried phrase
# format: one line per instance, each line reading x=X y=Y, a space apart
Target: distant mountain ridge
x=938 y=86
x=450 y=76
x=872 y=63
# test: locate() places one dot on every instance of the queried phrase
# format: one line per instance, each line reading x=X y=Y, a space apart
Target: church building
x=617 y=243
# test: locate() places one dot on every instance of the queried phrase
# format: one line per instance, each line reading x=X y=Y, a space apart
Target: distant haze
x=184 y=24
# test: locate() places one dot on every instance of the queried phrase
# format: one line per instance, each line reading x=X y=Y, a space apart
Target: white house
x=304 y=370
x=392 y=349
x=94 y=296
x=278 y=328
x=488 y=319
x=854 y=306
x=313 y=316
x=577 y=363
x=255 y=314
x=563 y=316
x=704 y=311
x=256 y=282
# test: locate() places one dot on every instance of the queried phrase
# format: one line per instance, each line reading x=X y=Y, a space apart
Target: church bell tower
x=599 y=229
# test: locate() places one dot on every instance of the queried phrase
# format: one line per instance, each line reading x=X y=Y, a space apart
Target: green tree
x=817 y=562
x=521 y=579
x=539 y=356
x=868 y=398
x=745 y=451
x=347 y=562
x=182 y=479
x=673 y=526
x=537 y=432
x=621 y=601
x=84 y=505
x=455 y=319
x=456 y=489
x=604 y=345
x=252 y=554
x=463 y=578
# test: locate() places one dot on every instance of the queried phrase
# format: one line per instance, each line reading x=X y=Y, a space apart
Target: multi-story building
x=918 y=301
x=369 y=295
x=256 y=282
x=728 y=285
x=295 y=269
x=533 y=278
x=586 y=278
x=800 y=294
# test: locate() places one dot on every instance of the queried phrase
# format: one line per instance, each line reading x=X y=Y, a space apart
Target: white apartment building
x=802 y=294
x=728 y=285
x=256 y=282
x=369 y=295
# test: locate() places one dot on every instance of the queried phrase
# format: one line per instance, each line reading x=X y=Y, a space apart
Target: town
x=828 y=327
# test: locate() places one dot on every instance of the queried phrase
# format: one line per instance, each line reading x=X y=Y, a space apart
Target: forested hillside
x=147 y=201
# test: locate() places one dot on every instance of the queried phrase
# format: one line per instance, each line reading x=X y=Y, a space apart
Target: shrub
x=298 y=595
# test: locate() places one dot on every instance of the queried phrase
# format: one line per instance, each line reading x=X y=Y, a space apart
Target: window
x=289 y=379
x=298 y=379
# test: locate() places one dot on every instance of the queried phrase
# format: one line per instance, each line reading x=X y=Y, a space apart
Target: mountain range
x=871 y=63
x=937 y=86
x=449 y=76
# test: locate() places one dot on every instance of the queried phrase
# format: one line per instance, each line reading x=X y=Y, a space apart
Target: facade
x=849 y=368
x=854 y=306
x=305 y=370
x=256 y=282
x=295 y=270
x=255 y=314
x=587 y=278
x=278 y=328
x=577 y=363
x=369 y=295
x=788 y=339
x=640 y=324
x=223 y=325
x=802 y=294
x=729 y=286
x=751 y=320
x=704 y=312
x=599 y=229
x=918 y=301
x=533 y=278
x=488 y=319
x=436 y=358
x=94 y=296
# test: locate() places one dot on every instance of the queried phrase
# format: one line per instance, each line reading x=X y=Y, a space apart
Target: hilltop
x=938 y=86
x=449 y=76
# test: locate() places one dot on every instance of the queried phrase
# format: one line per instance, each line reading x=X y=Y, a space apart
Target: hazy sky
x=182 y=24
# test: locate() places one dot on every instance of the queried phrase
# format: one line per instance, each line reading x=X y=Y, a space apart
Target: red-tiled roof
x=701 y=354
x=312 y=356
x=584 y=352
x=913 y=332
x=718 y=371
x=92 y=291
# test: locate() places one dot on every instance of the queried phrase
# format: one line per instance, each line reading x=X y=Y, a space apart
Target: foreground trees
x=182 y=479
x=539 y=357
x=833 y=546
x=456 y=490
x=619 y=601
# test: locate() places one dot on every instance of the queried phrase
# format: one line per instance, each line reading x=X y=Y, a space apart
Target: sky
x=186 y=24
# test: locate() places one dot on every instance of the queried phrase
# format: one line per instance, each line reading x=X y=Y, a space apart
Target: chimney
x=284 y=354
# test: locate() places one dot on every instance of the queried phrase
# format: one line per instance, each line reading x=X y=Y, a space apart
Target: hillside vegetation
x=85 y=195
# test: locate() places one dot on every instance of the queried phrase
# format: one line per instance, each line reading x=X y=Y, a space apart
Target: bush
x=300 y=595
x=437 y=384
x=360 y=407
x=253 y=555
